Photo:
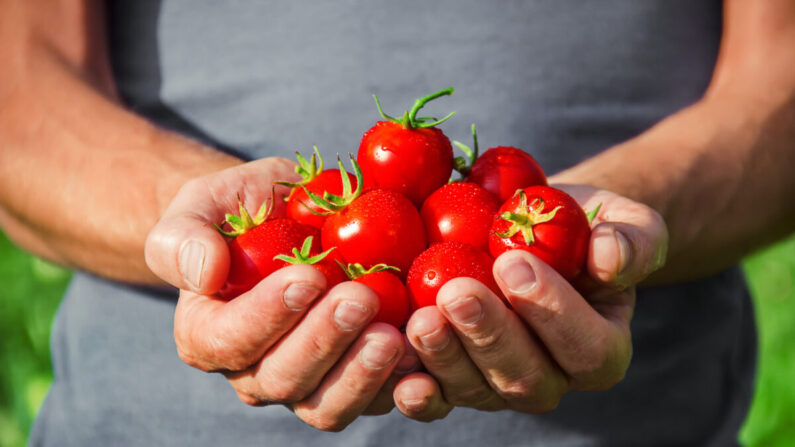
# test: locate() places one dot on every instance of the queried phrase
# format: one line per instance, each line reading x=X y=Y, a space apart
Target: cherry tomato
x=546 y=222
x=380 y=226
x=441 y=263
x=392 y=294
x=500 y=170
x=328 y=263
x=461 y=212
x=299 y=205
x=256 y=242
x=407 y=155
x=504 y=169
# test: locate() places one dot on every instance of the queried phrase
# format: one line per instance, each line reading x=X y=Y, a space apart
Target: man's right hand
x=288 y=340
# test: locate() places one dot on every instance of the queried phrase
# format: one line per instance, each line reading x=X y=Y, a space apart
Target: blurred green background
x=30 y=290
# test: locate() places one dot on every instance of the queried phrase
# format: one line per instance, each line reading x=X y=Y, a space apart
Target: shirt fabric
x=561 y=79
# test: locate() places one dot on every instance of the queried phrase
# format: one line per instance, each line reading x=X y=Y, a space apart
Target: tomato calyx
x=526 y=217
x=302 y=256
x=409 y=120
x=464 y=165
x=357 y=270
x=244 y=222
x=332 y=203
x=308 y=170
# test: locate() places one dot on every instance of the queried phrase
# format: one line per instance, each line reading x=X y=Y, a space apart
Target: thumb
x=187 y=252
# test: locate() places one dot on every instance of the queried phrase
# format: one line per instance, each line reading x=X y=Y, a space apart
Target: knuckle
x=360 y=386
x=476 y=397
x=280 y=388
x=251 y=400
x=523 y=388
x=285 y=393
x=190 y=359
x=324 y=422
x=489 y=340
x=230 y=357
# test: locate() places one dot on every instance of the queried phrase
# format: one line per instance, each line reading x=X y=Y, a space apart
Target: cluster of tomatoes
x=399 y=224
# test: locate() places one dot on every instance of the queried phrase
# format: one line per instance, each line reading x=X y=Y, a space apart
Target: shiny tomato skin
x=393 y=298
x=441 y=263
x=504 y=169
x=561 y=242
x=378 y=227
x=460 y=212
x=327 y=181
x=413 y=162
x=251 y=254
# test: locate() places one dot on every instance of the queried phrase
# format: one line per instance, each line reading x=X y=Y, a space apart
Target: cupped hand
x=288 y=340
x=554 y=338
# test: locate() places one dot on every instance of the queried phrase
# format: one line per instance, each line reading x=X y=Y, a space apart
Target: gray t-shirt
x=561 y=79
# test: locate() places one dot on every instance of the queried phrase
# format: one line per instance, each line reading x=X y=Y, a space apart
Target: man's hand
x=554 y=338
x=288 y=340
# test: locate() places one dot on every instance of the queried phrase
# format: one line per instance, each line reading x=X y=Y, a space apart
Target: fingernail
x=414 y=404
x=350 y=316
x=518 y=276
x=623 y=251
x=376 y=355
x=408 y=364
x=436 y=340
x=466 y=311
x=299 y=296
x=191 y=263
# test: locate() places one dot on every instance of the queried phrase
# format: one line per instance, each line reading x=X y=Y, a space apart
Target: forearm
x=81 y=179
x=721 y=181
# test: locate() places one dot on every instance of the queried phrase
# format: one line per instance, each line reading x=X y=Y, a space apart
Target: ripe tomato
x=460 y=212
x=546 y=222
x=407 y=155
x=314 y=179
x=500 y=170
x=328 y=263
x=299 y=205
x=392 y=294
x=441 y=263
x=381 y=226
x=256 y=242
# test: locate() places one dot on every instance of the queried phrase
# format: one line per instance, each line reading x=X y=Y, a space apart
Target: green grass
x=31 y=290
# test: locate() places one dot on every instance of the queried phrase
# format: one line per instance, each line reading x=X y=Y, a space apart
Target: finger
x=355 y=380
x=446 y=360
x=183 y=248
x=383 y=402
x=419 y=397
x=512 y=361
x=212 y=334
x=629 y=240
x=295 y=366
x=593 y=349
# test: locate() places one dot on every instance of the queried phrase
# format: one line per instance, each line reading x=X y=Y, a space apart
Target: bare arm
x=82 y=180
x=721 y=171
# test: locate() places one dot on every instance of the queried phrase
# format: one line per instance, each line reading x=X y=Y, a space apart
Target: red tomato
x=252 y=252
x=407 y=155
x=393 y=298
x=460 y=212
x=378 y=227
x=327 y=181
x=443 y=262
x=546 y=222
x=327 y=263
x=504 y=169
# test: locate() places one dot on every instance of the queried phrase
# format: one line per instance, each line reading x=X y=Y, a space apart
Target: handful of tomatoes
x=398 y=224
